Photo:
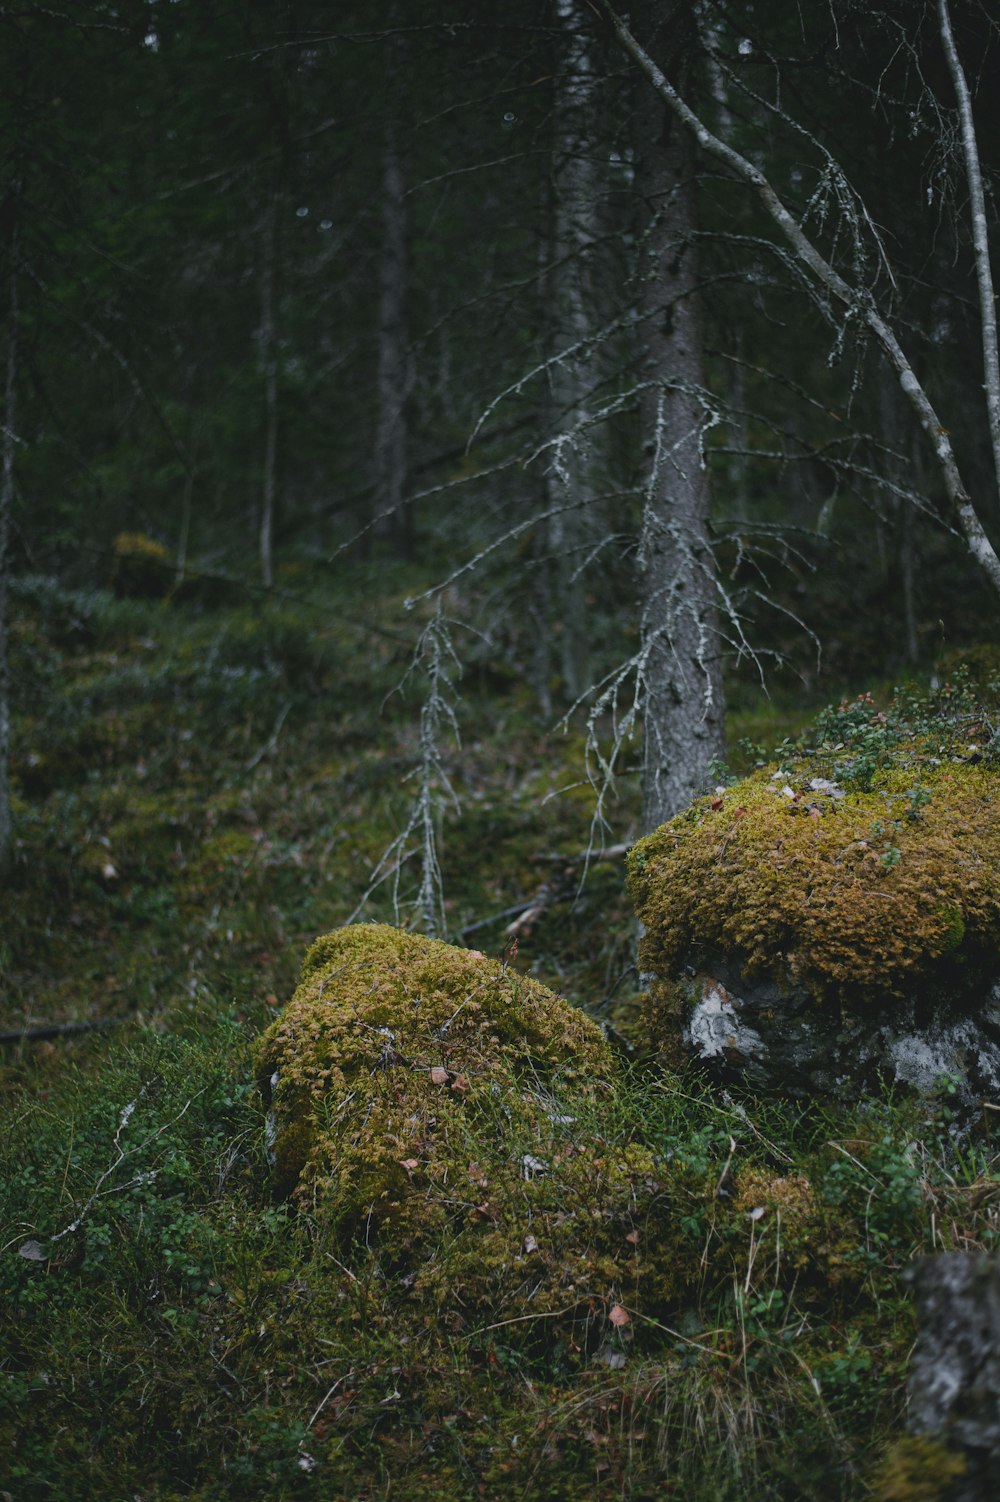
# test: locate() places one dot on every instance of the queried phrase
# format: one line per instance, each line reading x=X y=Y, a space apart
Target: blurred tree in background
x=285 y=284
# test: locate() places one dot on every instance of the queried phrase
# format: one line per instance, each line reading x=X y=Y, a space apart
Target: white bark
x=980 y=233
x=856 y=299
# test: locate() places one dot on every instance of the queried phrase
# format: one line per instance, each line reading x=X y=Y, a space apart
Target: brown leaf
x=438 y=1075
x=409 y=1164
x=461 y=1084
x=618 y=1316
x=633 y=1238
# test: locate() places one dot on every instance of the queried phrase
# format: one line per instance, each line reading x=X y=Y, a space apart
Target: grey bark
x=393 y=517
x=680 y=645
x=572 y=301
x=269 y=364
x=6 y=506
x=980 y=233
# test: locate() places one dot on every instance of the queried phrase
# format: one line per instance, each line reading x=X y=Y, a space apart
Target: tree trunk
x=269 y=362
x=6 y=507
x=680 y=643
x=572 y=297
x=392 y=516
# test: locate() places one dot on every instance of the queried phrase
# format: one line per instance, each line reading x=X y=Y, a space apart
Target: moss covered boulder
x=445 y=1111
x=834 y=919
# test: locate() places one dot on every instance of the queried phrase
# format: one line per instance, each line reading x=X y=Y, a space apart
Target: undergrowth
x=171 y=1329
x=199 y=792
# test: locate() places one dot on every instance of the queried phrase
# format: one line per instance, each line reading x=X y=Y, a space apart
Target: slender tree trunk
x=572 y=297
x=6 y=507
x=393 y=518
x=684 y=706
x=269 y=362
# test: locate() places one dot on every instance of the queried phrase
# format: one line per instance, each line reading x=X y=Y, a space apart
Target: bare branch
x=857 y=300
x=980 y=237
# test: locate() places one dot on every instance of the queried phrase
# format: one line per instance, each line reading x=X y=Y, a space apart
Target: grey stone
x=781 y=1038
x=954 y=1382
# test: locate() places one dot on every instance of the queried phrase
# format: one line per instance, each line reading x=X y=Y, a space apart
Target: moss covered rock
x=839 y=911
x=446 y=1110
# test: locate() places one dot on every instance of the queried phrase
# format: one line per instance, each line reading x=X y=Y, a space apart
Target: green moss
x=861 y=890
x=396 y=1050
x=918 y=1469
x=430 y=1100
x=140 y=567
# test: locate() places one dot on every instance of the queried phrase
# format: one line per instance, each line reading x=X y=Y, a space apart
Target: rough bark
x=571 y=298
x=269 y=363
x=684 y=707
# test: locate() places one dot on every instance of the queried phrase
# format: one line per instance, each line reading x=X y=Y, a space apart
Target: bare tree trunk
x=6 y=507
x=980 y=234
x=393 y=518
x=572 y=299
x=682 y=669
x=269 y=362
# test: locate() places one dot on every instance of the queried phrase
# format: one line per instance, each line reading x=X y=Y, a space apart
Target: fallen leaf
x=633 y=1238
x=409 y=1164
x=438 y=1075
x=716 y=803
x=33 y=1251
x=530 y=1244
x=618 y=1316
x=460 y=1083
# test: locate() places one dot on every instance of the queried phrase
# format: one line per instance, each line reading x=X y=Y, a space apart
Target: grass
x=170 y=1328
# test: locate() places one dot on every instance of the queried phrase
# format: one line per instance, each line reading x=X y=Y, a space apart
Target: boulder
x=833 y=921
x=952 y=1450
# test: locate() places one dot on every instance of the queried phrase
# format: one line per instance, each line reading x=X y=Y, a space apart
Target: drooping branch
x=980 y=235
x=857 y=300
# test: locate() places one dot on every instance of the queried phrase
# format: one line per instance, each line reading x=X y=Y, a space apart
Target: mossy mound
x=425 y=1100
x=140 y=567
x=866 y=863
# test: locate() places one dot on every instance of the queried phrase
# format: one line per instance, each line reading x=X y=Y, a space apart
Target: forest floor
x=203 y=789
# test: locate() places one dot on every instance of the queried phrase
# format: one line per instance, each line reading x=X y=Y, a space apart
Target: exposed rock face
x=835 y=922
x=954 y=1383
x=780 y=1039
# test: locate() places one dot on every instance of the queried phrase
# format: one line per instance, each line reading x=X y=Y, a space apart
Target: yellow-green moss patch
x=442 y=1107
x=834 y=888
x=397 y=1050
